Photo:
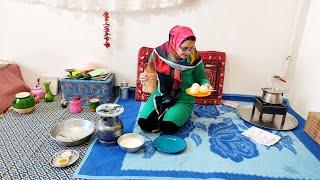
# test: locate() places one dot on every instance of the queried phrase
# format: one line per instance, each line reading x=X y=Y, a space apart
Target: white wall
x=255 y=34
x=305 y=87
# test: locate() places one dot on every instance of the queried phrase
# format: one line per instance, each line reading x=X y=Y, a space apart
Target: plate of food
x=64 y=158
x=198 y=91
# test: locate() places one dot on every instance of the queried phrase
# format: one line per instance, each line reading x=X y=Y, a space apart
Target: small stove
x=267 y=108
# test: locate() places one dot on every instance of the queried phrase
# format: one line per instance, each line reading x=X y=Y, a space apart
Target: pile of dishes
x=92 y=74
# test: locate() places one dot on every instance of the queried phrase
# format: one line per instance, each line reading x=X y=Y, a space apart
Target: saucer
x=170 y=144
x=72 y=159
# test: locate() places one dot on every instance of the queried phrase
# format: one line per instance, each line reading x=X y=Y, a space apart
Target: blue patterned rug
x=215 y=149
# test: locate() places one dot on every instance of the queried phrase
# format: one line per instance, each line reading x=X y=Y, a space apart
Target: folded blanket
x=11 y=83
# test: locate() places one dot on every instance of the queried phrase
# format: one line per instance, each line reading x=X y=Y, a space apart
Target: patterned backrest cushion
x=214 y=63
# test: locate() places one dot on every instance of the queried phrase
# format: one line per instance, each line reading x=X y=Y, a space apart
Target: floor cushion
x=11 y=83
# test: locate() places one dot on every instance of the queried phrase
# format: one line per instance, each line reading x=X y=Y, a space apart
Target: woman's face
x=186 y=48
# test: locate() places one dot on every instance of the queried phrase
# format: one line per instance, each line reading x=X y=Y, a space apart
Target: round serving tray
x=245 y=113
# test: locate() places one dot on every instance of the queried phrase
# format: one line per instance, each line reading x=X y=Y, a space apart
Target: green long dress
x=181 y=111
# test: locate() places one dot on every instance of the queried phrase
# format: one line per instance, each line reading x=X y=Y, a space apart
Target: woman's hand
x=210 y=87
x=143 y=77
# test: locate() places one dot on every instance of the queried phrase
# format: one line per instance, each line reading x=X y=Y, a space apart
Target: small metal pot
x=109 y=127
x=272 y=96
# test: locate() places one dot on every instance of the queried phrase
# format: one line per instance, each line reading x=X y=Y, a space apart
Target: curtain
x=109 y=5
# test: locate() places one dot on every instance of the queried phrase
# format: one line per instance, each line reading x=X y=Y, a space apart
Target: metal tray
x=58 y=131
x=245 y=113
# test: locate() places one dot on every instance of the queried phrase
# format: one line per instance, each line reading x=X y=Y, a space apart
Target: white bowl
x=131 y=142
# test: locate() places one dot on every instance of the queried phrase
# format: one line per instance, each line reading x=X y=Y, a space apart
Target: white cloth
x=109 y=5
x=261 y=136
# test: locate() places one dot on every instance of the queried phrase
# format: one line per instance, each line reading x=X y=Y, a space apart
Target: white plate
x=72 y=159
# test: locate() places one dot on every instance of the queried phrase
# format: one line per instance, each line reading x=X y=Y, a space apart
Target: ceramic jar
x=38 y=93
x=75 y=105
x=23 y=103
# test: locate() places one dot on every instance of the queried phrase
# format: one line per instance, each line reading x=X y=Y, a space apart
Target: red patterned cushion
x=214 y=63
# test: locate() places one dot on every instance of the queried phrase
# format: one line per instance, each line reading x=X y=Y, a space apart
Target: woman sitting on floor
x=178 y=65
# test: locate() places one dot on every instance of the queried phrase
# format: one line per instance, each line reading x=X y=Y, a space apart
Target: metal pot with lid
x=109 y=127
x=272 y=96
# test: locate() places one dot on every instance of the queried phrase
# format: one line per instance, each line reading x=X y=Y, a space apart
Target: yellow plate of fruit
x=198 y=91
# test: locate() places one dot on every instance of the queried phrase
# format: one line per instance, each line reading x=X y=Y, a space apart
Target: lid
x=124 y=83
x=75 y=100
x=273 y=91
x=93 y=100
x=109 y=110
x=22 y=95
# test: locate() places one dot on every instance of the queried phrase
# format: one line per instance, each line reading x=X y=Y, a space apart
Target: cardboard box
x=312 y=126
x=88 y=89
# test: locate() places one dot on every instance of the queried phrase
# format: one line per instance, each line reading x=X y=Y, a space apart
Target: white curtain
x=109 y=5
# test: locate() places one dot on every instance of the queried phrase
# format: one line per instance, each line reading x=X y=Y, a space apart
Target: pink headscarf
x=178 y=34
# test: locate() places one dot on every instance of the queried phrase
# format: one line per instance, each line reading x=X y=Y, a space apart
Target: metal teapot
x=109 y=127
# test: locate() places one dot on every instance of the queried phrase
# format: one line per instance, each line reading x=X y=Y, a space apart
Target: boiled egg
x=195 y=86
x=62 y=161
x=194 y=90
x=203 y=89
